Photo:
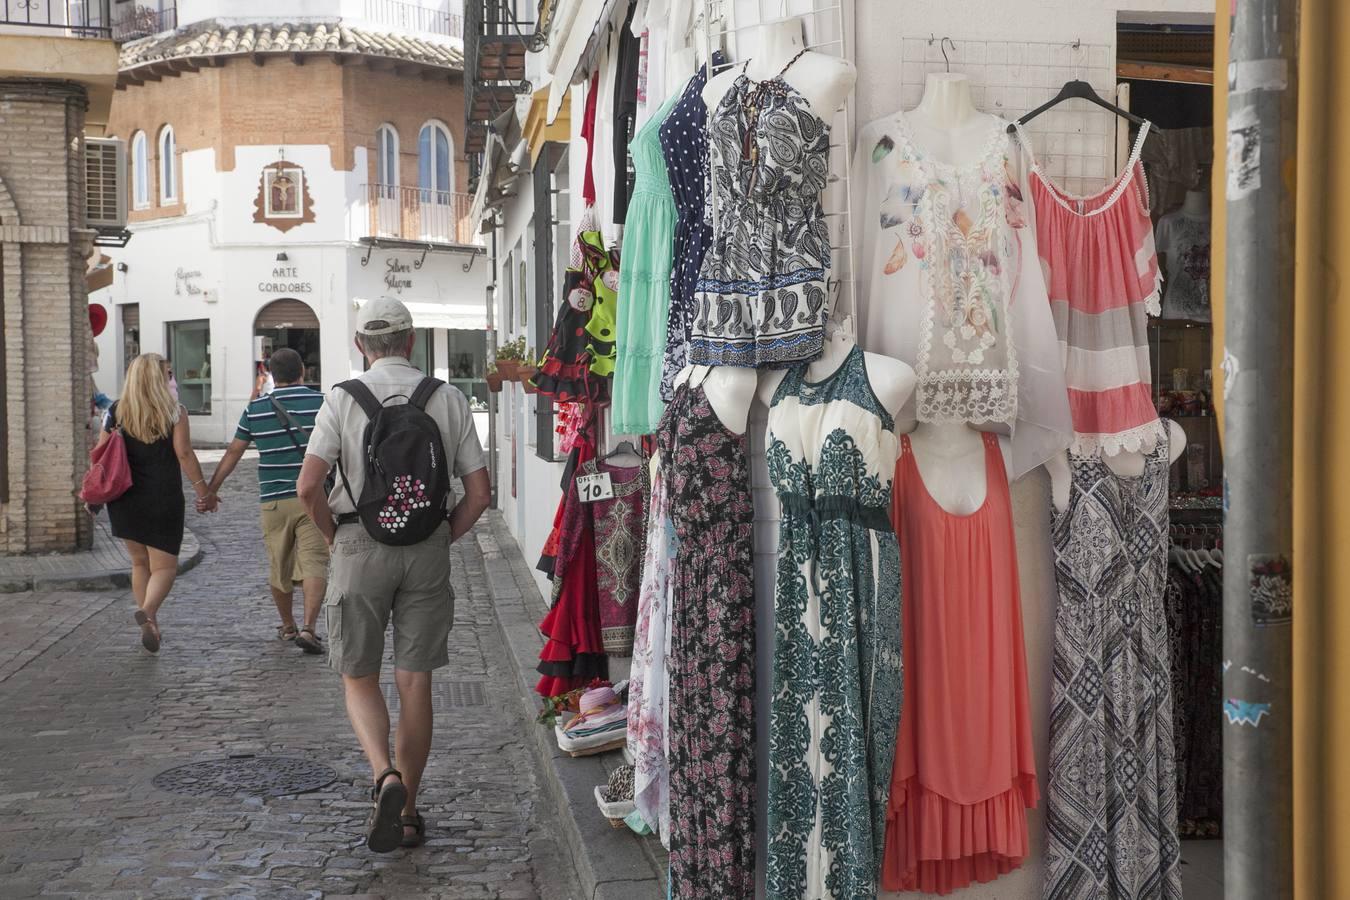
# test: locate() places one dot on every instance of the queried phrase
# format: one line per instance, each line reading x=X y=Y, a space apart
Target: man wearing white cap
x=397 y=438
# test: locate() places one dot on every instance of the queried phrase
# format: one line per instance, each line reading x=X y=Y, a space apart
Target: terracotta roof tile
x=214 y=38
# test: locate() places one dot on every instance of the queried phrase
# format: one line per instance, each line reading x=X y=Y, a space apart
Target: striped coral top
x=1103 y=278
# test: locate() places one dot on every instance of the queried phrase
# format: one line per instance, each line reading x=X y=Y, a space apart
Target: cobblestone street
x=91 y=718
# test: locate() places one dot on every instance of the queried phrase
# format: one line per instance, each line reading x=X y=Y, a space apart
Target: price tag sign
x=594 y=487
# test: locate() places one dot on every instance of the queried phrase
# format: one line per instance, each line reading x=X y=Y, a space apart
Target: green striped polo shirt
x=279 y=459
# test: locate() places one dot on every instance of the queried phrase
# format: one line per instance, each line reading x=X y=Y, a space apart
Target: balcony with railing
x=143 y=18
x=65 y=18
x=497 y=35
x=420 y=215
x=407 y=16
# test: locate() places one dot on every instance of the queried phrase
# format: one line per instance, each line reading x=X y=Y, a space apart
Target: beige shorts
x=295 y=548
x=370 y=583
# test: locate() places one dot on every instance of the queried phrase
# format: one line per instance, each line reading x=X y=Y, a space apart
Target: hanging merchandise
x=1183 y=237
x=1195 y=616
x=837 y=675
x=760 y=295
x=625 y=111
x=965 y=769
x=644 y=285
x=684 y=144
x=1104 y=282
x=712 y=652
x=1112 y=796
x=648 y=687
x=574 y=652
x=950 y=284
x=616 y=519
x=580 y=354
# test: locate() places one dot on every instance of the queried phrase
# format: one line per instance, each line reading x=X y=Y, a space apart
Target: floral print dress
x=712 y=653
x=837 y=660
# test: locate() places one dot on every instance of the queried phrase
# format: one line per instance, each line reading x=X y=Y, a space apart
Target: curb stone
x=104 y=580
x=611 y=863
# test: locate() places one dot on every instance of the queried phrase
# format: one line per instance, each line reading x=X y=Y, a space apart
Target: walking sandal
x=149 y=631
x=309 y=644
x=384 y=831
x=286 y=632
x=417 y=823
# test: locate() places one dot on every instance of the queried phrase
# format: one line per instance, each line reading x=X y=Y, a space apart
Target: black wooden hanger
x=1077 y=90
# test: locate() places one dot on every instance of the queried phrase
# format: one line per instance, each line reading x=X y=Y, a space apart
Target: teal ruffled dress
x=644 y=285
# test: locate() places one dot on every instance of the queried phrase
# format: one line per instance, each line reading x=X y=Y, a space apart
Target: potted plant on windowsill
x=509 y=358
x=528 y=369
x=493 y=379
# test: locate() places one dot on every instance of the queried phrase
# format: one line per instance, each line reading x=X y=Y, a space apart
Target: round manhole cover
x=257 y=776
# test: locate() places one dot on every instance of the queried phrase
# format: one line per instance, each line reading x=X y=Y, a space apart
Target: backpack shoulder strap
x=426 y=389
x=363 y=396
x=287 y=422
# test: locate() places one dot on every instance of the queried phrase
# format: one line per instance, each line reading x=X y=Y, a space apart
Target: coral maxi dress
x=965 y=769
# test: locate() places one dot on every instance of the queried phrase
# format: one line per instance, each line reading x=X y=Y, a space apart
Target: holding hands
x=208 y=503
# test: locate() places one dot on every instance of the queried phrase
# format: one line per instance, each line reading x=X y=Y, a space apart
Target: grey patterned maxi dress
x=1112 y=799
x=837 y=660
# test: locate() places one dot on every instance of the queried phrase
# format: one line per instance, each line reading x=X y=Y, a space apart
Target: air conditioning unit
x=105 y=172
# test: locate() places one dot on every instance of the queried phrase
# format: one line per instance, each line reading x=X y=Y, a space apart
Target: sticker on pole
x=594 y=487
x=1270 y=580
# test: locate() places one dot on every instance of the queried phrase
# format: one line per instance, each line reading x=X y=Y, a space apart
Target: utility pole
x=1258 y=453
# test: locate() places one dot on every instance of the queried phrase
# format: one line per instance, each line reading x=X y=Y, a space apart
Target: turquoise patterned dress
x=837 y=672
x=644 y=285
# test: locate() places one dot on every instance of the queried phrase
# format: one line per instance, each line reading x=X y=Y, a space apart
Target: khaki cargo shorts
x=370 y=583
x=295 y=548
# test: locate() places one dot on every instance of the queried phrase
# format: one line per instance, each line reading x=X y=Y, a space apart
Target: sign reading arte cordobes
x=397 y=275
x=285 y=280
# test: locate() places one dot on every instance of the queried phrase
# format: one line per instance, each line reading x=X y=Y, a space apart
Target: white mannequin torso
x=946 y=125
x=1126 y=464
x=730 y=390
x=892 y=381
x=950 y=459
x=822 y=79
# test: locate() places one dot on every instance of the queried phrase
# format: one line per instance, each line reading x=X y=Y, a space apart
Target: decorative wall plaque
x=283 y=199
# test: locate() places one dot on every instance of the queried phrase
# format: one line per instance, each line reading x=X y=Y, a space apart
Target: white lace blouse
x=949 y=281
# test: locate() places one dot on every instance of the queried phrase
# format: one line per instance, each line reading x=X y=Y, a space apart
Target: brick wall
x=287 y=103
x=46 y=324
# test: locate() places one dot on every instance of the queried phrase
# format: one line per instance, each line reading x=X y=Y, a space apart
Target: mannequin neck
x=778 y=43
x=1196 y=205
x=946 y=101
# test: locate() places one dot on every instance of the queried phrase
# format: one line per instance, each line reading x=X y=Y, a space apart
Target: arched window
x=168 y=172
x=435 y=170
x=140 y=171
x=386 y=155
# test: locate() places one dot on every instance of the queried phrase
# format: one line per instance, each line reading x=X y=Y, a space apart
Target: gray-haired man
x=372 y=582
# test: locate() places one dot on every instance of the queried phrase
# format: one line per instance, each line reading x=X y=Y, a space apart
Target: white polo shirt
x=340 y=426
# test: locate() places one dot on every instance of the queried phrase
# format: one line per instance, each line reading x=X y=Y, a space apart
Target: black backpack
x=406 y=494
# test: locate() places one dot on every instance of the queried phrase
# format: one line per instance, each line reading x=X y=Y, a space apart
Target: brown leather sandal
x=309 y=644
x=415 y=822
x=384 y=832
x=149 y=631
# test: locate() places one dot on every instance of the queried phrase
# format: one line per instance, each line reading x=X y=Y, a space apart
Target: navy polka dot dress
x=684 y=143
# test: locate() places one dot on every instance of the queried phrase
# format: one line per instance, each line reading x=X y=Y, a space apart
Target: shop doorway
x=290 y=323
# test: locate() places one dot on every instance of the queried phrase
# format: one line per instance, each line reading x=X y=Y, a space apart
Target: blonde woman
x=149 y=517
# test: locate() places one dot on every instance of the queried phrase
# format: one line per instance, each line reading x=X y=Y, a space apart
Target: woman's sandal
x=149 y=631
x=309 y=644
x=415 y=822
x=286 y=632
x=384 y=832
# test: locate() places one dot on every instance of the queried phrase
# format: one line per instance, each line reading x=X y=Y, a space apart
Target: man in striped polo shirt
x=279 y=424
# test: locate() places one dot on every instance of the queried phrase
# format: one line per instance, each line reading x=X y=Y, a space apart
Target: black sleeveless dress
x=151 y=512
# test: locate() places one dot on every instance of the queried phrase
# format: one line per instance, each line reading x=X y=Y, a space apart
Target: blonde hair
x=146 y=410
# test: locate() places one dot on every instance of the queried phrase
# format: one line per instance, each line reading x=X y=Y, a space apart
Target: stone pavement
x=92 y=718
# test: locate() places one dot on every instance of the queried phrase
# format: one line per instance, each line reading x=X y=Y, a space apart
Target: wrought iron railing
x=143 y=18
x=420 y=214
x=72 y=18
x=412 y=17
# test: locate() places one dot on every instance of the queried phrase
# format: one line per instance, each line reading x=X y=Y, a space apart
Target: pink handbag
x=109 y=475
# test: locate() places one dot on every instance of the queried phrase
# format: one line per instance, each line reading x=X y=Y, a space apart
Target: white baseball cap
x=383 y=315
